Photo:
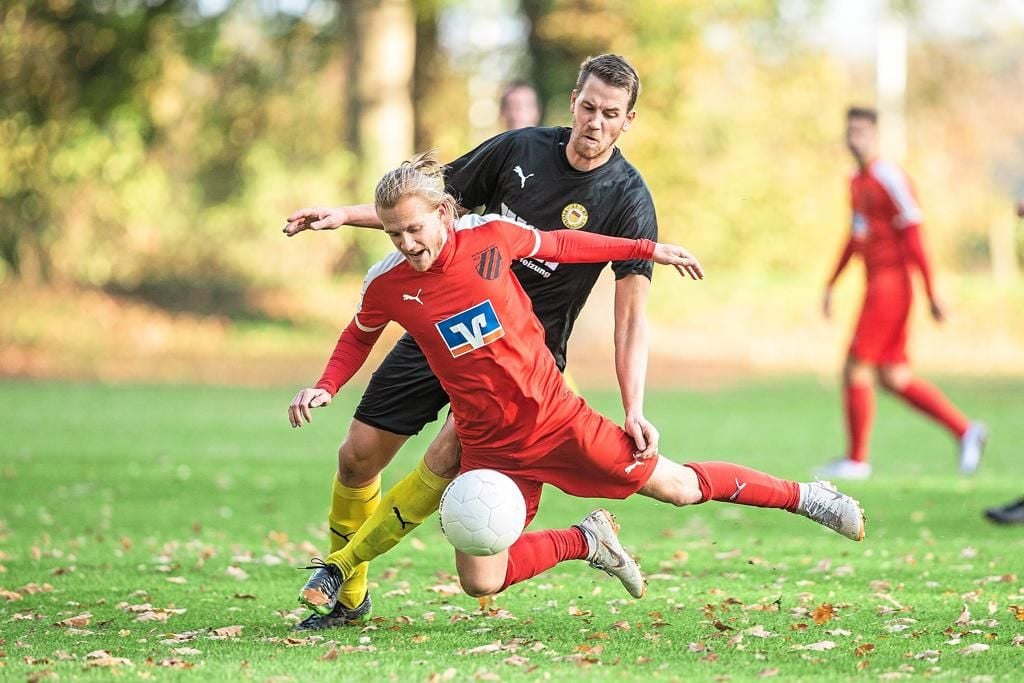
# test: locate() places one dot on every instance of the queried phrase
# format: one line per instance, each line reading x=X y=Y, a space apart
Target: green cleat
x=339 y=616
x=320 y=593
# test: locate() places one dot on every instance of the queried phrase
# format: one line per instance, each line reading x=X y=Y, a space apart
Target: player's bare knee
x=443 y=455
x=893 y=379
x=357 y=466
x=442 y=458
x=479 y=586
x=673 y=483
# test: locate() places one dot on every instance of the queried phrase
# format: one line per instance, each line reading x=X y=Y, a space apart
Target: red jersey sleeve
x=351 y=351
x=355 y=343
x=844 y=258
x=915 y=251
x=571 y=246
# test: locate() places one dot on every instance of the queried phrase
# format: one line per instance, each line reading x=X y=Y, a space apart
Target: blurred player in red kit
x=886 y=233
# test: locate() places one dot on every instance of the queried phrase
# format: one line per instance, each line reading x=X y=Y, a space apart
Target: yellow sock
x=403 y=508
x=350 y=508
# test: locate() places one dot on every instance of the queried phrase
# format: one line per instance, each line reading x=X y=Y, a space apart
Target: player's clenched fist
x=312 y=397
x=685 y=262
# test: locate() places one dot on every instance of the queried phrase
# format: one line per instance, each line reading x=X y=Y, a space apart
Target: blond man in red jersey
x=885 y=232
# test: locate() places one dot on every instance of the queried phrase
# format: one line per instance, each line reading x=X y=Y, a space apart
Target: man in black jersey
x=550 y=178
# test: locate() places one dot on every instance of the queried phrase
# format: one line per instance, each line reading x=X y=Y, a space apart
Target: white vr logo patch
x=471 y=329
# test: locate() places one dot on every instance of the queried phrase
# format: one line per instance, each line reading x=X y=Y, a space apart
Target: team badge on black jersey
x=488 y=263
x=574 y=216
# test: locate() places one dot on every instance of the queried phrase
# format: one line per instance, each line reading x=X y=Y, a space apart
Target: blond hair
x=423 y=176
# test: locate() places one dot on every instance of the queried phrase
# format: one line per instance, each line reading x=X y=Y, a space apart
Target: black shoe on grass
x=320 y=593
x=339 y=616
x=1011 y=513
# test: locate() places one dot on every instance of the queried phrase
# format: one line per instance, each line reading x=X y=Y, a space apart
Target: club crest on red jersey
x=471 y=329
x=488 y=263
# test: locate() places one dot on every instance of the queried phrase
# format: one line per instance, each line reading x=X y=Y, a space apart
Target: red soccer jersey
x=883 y=204
x=476 y=327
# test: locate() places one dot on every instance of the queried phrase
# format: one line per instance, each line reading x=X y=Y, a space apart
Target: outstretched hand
x=314 y=219
x=685 y=262
x=312 y=397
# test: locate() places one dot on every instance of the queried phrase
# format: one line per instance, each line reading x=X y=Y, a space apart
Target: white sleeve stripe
x=473 y=220
x=895 y=183
x=364 y=328
x=536 y=243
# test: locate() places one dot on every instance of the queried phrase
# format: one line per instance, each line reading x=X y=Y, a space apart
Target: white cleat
x=607 y=553
x=844 y=468
x=821 y=502
x=972 y=443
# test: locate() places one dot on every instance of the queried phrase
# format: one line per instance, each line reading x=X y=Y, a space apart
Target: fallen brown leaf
x=76 y=622
x=227 y=631
x=964 y=618
x=974 y=648
x=175 y=663
x=823 y=613
x=862 y=650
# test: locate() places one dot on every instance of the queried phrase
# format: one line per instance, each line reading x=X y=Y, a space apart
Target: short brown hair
x=613 y=70
x=866 y=113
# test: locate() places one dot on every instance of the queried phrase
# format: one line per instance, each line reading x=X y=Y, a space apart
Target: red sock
x=731 y=483
x=539 y=551
x=929 y=400
x=859 y=402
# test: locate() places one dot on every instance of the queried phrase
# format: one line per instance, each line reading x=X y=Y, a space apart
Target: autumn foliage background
x=149 y=153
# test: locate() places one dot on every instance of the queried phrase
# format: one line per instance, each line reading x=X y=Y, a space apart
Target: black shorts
x=403 y=395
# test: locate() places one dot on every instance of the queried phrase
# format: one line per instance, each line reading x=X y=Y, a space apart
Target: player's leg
x=385 y=419
x=881 y=325
x=595 y=539
x=858 y=415
x=898 y=379
x=699 y=482
x=405 y=505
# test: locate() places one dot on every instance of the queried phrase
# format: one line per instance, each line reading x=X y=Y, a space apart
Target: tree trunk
x=385 y=36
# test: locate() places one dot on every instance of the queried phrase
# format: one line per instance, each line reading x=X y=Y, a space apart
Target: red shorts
x=591 y=457
x=880 y=337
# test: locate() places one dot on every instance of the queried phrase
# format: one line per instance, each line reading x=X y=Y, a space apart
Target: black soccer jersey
x=525 y=176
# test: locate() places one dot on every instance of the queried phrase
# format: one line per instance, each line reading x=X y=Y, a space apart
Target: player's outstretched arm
x=311 y=397
x=319 y=218
x=683 y=261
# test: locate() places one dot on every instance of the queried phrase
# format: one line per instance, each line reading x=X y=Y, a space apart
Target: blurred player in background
x=545 y=177
x=520 y=107
x=1011 y=513
x=886 y=232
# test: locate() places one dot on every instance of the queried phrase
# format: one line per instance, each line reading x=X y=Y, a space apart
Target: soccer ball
x=482 y=512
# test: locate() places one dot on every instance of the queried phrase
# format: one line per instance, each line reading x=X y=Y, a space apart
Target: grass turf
x=201 y=499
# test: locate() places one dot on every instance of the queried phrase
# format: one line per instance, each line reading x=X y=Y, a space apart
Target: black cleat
x=1011 y=513
x=339 y=616
x=320 y=593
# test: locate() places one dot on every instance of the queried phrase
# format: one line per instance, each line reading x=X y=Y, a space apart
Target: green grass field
x=137 y=521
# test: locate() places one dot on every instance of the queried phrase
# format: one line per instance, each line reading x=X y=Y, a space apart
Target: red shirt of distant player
x=476 y=327
x=885 y=232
